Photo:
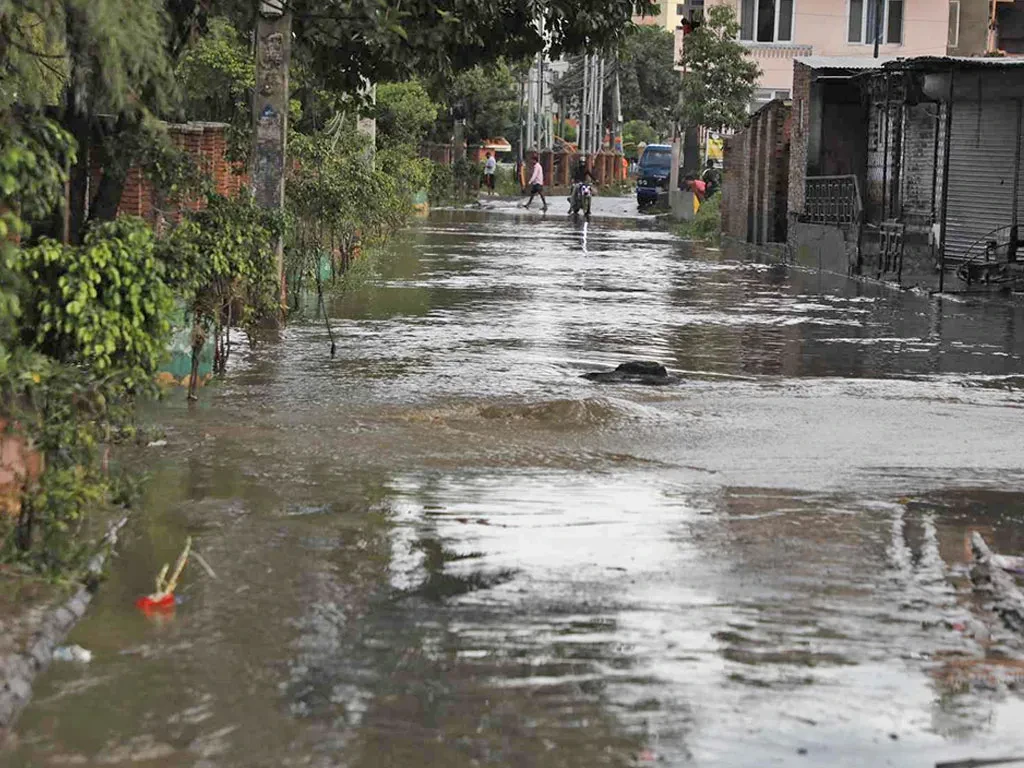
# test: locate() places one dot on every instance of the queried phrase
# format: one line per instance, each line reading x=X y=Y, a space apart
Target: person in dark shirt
x=712 y=178
x=582 y=174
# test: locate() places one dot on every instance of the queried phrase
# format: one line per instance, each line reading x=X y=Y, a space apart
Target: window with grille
x=954 y=24
x=865 y=22
x=766 y=21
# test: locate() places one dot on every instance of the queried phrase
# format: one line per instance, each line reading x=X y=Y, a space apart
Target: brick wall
x=756 y=177
x=207 y=144
x=799 y=136
x=921 y=176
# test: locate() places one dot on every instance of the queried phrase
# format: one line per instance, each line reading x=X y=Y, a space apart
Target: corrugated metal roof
x=914 y=62
x=844 y=62
x=960 y=62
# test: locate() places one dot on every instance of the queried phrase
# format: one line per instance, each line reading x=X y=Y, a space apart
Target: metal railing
x=832 y=200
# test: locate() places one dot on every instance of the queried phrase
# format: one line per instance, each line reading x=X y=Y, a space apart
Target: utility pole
x=531 y=110
x=270 y=117
x=617 y=113
x=595 y=106
x=600 y=108
x=541 y=120
x=368 y=125
x=581 y=136
x=522 y=124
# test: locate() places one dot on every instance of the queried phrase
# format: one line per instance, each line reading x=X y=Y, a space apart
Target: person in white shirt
x=536 y=183
x=490 y=166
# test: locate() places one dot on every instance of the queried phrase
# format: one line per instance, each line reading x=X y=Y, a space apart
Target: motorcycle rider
x=580 y=175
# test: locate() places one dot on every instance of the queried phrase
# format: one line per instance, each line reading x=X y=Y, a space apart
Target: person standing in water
x=536 y=183
x=490 y=167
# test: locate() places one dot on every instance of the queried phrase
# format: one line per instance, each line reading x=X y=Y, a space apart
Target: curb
x=1009 y=600
x=18 y=670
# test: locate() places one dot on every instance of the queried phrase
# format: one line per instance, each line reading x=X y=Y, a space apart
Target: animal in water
x=634 y=372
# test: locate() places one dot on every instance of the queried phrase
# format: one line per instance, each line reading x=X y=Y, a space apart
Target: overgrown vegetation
x=706 y=225
x=455 y=184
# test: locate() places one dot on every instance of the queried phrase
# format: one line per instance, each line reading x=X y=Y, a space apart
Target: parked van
x=653 y=174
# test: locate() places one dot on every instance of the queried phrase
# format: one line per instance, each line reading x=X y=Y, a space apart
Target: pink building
x=778 y=31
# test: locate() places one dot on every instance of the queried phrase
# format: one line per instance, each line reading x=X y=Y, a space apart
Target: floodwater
x=443 y=548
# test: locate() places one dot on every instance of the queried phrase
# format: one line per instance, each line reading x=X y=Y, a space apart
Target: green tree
x=405 y=112
x=345 y=43
x=216 y=74
x=635 y=132
x=719 y=76
x=648 y=79
x=489 y=98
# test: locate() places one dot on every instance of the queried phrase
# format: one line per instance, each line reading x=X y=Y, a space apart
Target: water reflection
x=443 y=547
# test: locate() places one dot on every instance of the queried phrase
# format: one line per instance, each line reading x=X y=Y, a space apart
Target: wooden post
x=270 y=116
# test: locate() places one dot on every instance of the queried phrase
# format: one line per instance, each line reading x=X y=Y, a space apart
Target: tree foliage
x=636 y=132
x=488 y=98
x=216 y=74
x=648 y=79
x=719 y=76
x=405 y=113
x=345 y=43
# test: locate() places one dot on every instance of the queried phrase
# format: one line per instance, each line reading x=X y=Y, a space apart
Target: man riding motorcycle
x=582 y=178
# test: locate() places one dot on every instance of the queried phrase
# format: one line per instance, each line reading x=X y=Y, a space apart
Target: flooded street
x=443 y=548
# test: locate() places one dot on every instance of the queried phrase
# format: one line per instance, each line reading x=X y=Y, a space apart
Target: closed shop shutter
x=982 y=167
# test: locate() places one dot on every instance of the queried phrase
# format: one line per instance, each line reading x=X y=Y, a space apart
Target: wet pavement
x=445 y=548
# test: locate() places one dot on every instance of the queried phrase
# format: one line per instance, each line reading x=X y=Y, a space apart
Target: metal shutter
x=982 y=158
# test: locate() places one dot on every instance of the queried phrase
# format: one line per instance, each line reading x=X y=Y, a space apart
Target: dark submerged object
x=634 y=372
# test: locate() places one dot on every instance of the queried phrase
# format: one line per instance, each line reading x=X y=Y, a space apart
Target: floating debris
x=74 y=653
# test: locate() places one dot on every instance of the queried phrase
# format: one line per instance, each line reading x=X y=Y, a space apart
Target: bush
x=455 y=184
x=707 y=223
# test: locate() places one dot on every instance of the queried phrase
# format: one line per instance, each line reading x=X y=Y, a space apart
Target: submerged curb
x=18 y=670
x=1009 y=600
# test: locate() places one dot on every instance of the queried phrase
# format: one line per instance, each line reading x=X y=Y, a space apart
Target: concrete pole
x=540 y=100
x=270 y=117
x=616 y=110
x=595 y=101
x=368 y=125
x=600 y=107
x=673 y=183
x=459 y=139
x=531 y=111
x=581 y=136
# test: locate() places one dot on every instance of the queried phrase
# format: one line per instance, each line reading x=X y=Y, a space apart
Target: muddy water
x=444 y=548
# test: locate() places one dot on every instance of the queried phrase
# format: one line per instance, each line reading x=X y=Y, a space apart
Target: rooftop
x=914 y=62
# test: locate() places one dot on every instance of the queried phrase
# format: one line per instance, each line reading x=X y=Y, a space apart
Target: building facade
x=778 y=31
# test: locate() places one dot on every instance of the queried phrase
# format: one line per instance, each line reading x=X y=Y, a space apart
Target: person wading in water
x=536 y=183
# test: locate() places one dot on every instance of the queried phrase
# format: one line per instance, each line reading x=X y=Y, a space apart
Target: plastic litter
x=72 y=653
x=162 y=600
x=156 y=444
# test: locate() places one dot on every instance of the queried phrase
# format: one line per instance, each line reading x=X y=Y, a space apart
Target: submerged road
x=443 y=548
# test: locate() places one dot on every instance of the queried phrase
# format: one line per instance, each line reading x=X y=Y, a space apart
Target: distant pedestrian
x=712 y=178
x=536 y=183
x=490 y=167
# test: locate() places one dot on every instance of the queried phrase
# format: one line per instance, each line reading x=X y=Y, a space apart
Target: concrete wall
x=825 y=248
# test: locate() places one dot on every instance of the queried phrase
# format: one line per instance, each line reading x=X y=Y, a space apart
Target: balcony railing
x=832 y=200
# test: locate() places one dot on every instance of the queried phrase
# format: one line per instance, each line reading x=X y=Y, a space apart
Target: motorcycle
x=580 y=199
